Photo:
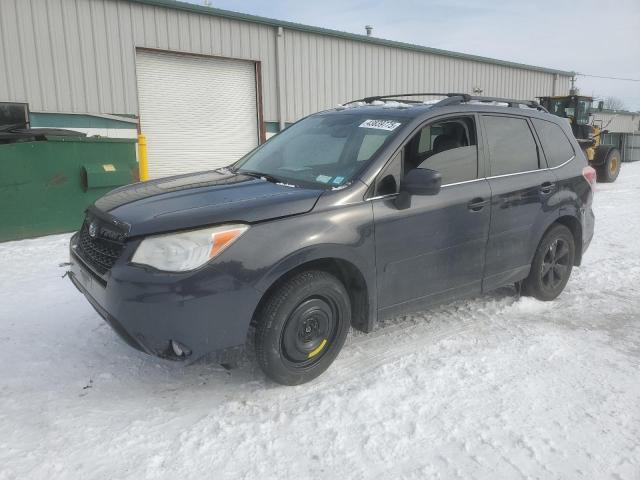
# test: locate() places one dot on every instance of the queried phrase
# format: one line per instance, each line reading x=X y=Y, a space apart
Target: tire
x=610 y=168
x=552 y=264
x=301 y=327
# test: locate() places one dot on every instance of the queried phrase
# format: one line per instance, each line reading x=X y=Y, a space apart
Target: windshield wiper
x=266 y=176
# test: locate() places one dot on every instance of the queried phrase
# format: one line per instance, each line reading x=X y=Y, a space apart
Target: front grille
x=100 y=253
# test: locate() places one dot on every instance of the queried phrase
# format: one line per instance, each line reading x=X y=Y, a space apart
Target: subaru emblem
x=93 y=229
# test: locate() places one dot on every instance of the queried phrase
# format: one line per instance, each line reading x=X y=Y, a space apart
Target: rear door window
x=557 y=147
x=512 y=148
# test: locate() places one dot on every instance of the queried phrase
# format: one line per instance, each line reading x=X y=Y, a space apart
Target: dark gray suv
x=368 y=210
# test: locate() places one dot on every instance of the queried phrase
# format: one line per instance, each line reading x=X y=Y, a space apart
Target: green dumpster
x=45 y=186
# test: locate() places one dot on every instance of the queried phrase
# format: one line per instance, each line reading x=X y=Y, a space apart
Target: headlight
x=184 y=251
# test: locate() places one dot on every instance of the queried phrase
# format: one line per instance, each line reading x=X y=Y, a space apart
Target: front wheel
x=552 y=264
x=301 y=327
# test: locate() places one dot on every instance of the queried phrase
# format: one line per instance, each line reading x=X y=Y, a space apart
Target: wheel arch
x=575 y=227
x=361 y=294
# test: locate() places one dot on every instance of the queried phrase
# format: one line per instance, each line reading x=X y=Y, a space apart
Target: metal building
x=623 y=131
x=206 y=85
x=618 y=121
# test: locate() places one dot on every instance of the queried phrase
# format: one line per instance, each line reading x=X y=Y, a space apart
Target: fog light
x=179 y=349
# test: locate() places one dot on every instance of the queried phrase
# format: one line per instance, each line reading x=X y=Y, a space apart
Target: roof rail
x=452 y=99
x=510 y=102
x=397 y=95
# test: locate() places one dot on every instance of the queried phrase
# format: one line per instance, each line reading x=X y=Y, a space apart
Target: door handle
x=477 y=204
x=547 y=188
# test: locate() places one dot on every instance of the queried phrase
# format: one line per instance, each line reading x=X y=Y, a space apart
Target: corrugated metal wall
x=337 y=70
x=78 y=56
x=618 y=122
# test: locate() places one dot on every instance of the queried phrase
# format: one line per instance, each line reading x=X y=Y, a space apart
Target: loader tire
x=609 y=170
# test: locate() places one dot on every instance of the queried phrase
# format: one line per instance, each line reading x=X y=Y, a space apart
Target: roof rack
x=452 y=99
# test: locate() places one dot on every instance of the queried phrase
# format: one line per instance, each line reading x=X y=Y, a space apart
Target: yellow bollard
x=143 y=164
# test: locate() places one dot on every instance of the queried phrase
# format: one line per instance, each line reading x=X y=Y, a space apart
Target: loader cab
x=573 y=107
x=576 y=109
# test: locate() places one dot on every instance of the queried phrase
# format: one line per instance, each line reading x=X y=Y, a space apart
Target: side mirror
x=419 y=181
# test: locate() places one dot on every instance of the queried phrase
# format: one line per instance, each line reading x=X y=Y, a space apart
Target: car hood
x=204 y=198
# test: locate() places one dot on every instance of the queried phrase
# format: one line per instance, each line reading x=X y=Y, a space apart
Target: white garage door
x=197 y=113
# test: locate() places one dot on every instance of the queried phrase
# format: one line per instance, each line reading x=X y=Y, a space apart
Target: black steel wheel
x=552 y=264
x=301 y=327
x=308 y=330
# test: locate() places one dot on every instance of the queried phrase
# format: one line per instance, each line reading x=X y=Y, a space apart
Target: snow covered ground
x=494 y=387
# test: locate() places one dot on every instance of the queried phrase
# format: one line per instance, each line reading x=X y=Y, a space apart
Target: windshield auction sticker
x=388 y=125
x=323 y=178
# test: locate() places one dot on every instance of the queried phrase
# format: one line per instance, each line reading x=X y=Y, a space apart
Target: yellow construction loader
x=576 y=108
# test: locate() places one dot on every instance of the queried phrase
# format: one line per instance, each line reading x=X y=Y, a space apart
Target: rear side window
x=557 y=147
x=512 y=148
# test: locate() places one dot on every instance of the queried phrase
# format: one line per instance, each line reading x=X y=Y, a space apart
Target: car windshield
x=324 y=150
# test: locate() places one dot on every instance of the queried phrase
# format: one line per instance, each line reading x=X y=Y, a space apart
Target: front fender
x=271 y=249
x=321 y=252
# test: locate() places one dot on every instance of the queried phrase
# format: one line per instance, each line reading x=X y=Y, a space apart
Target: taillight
x=589 y=174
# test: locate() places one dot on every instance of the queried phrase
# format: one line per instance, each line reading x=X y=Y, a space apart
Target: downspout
x=280 y=83
x=554 y=89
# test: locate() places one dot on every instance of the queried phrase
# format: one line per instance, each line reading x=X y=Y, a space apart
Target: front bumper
x=207 y=311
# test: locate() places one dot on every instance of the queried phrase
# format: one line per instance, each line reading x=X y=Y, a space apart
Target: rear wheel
x=552 y=264
x=610 y=168
x=301 y=327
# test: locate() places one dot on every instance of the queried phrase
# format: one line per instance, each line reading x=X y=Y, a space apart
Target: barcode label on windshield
x=388 y=125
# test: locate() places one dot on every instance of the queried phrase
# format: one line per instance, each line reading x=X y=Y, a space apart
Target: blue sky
x=595 y=37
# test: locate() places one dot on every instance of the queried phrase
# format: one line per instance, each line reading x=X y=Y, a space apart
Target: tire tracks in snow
x=410 y=335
